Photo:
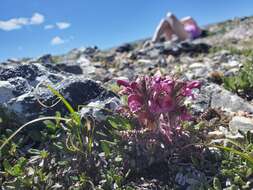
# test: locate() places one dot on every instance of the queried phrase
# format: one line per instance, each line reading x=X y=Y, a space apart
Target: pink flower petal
x=134 y=102
x=123 y=83
x=194 y=84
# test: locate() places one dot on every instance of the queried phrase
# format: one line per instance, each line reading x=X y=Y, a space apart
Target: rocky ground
x=87 y=77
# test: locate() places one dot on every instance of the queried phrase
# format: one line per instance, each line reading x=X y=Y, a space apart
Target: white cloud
x=13 y=24
x=63 y=25
x=17 y=23
x=37 y=18
x=49 y=26
x=57 y=41
x=59 y=25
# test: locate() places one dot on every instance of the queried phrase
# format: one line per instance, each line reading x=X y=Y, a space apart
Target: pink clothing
x=192 y=30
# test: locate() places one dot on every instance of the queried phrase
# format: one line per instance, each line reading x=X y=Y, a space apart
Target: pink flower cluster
x=158 y=102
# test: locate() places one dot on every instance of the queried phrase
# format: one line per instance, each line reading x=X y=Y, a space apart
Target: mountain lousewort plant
x=158 y=102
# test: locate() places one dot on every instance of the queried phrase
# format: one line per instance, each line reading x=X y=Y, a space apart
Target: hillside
x=87 y=142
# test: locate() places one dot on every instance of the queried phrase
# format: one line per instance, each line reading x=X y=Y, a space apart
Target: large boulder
x=22 y=85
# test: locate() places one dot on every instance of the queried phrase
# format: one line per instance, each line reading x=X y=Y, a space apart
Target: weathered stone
x=6 y=89
x=27 y=71
x=124 y=48
x=214 y=96
x=228 y=101
x=76 y=91
x=99 y=109
x=46 y=59
x=186 y=47
x=74 y=69
x=19 y=93
x=243 y=124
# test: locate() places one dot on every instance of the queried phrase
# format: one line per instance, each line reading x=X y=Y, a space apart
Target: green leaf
x=75 y=178
x=59 y=145
x=76 y=117
x=249 y=172
x=7 y=166
x=44 y=154
x=22 y=161
x=58 y=115
x=34 y=151
x=233 y=187
x=62 y=163
x=230 y=83
x=249 y=137
x=119 y=123
x=50 y=125
x=16 y=170
x=233 y=142
x=216 y=184
x=105 y=145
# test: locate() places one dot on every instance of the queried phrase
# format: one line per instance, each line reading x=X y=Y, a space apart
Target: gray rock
x=76 y=92
x=243 y=124
x=214 y=96
x=89 y=51
x=228 y=101
x=124 y=48
x=19 y=93
x=239 y=33
x=87 y=67
x=21 y=86
x=80 y=66
x=172 y=48
x=46 y=59
x=27 y=71
x=99 y=109
x=186 y=47
x=201 y=72
x=6 y=89
x=74 y=69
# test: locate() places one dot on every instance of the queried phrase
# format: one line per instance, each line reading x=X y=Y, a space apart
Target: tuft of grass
x=27 y=124
x=72 y=145
x=241 y=149
x=242 y=83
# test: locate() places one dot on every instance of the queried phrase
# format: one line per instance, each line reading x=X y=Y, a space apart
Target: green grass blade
x=25 y=125
x=65 y=102
x=241 y=154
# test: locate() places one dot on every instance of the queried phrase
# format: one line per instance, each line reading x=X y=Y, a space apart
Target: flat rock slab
x=214 y=96
x=243 y=124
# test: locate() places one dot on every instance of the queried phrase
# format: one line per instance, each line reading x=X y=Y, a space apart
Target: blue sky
x=31 y=28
